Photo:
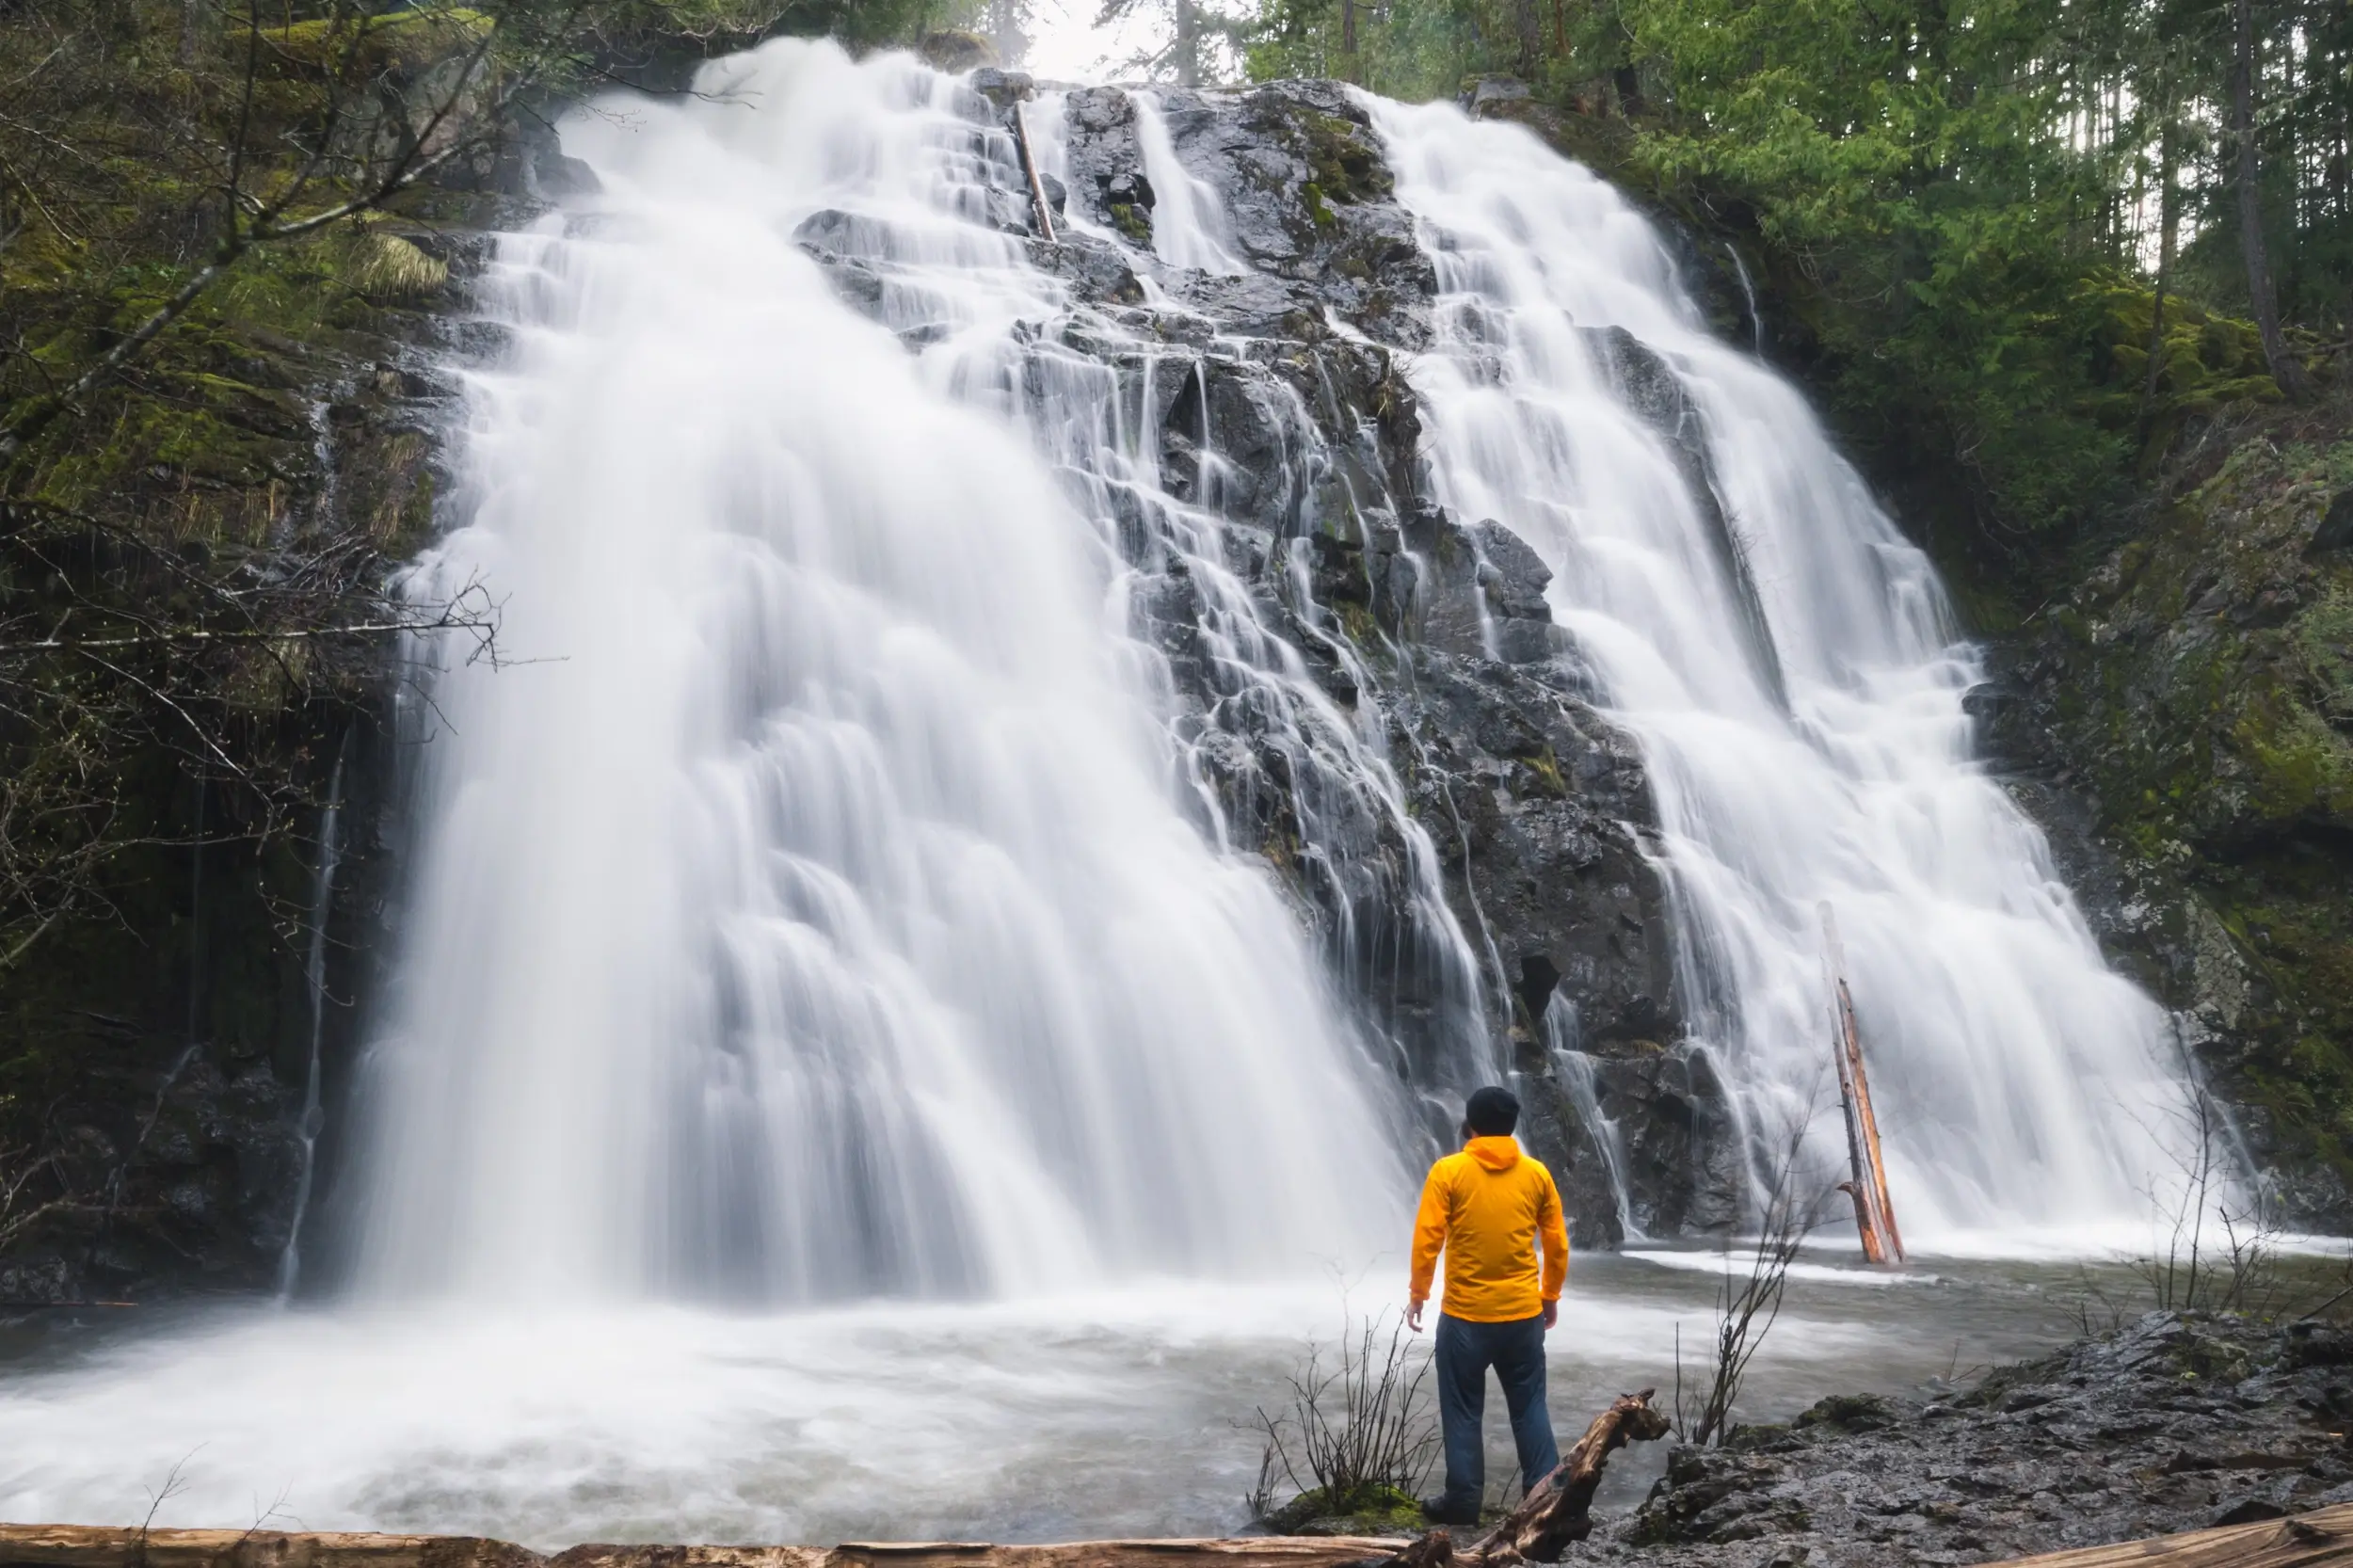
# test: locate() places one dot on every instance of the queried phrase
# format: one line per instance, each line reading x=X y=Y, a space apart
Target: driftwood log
x=2320 y=1538
x=1559 y=1509
x=2301 y=1541
x=1874 y=1211
x=84 y=1546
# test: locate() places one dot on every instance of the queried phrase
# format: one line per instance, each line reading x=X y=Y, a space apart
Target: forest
x=2044 y=235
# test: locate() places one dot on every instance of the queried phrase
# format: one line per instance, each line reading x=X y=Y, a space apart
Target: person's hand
x=1552 y=1313
x=1413 y=1314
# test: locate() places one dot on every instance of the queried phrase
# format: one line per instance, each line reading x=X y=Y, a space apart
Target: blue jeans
x=1516 y=1351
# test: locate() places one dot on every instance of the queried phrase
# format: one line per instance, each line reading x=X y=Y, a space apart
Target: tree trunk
x=191 y=30
x=2285 y=370
x=1529 y=29
x=2168 y=222
x=1188 y=45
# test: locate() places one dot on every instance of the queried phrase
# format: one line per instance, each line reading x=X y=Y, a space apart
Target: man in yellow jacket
x=1485 y=1208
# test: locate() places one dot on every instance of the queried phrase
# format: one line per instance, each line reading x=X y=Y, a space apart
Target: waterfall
x=1792 y=671
x=1188 y=229
x=838 y=884
x=815 y=904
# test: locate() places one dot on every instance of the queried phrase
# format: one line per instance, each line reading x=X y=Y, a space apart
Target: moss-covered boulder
x=1370 y=1509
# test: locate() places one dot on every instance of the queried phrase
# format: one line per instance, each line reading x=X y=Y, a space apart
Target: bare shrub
x=2221 y=1246
x=1358 y=1432
x=1749 y=1304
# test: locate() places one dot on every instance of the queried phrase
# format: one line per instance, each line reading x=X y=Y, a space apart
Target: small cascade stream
x=1794 y=674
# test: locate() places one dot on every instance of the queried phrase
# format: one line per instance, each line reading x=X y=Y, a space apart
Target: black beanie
x=1492 y=1113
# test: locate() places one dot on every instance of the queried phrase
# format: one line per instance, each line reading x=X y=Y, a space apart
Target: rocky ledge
x=2176 y=1422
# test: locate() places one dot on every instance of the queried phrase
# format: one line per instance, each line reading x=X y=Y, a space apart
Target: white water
x=2020 y=1083
x=1094 y=1416
x=819 y=918
x=1189 y=227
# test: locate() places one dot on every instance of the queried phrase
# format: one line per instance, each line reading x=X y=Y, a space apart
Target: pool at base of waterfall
x=1122 y=1414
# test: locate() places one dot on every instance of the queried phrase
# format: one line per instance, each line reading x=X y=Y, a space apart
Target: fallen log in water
x=1874 y=1210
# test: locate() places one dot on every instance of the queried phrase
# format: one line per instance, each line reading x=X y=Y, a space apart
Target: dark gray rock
x=2176 y=1422
x=1000 y=87
x=2335 y=529
x=1434 y=631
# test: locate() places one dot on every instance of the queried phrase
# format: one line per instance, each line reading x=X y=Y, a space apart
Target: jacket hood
x=1496 y=1154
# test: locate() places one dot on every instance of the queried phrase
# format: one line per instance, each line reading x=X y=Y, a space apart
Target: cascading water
x=817 y=920
x=1790 y=667
x=1188 y=230
x=847 y=886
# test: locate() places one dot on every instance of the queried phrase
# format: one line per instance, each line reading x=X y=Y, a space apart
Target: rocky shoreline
x=2177 y=1421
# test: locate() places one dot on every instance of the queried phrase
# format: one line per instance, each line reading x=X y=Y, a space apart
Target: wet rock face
x=1300 y=179
x=187 y=1023
x=2180 y=719
x=1430 y=632
x=2177 y=1422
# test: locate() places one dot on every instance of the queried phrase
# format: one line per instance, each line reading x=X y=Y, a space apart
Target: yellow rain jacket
x=1486 y=1207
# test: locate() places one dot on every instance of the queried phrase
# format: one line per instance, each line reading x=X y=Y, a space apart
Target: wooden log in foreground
x=2300 y=1541
x=2321 y=1539
x=1559 y=1509
x=90 y=1547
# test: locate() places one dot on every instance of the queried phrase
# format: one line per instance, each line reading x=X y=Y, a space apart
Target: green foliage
x=1905 y=155
x=1961 y=204
x=398 y=40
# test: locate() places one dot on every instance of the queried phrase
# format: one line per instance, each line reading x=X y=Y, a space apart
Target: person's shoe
x=1449 y=1511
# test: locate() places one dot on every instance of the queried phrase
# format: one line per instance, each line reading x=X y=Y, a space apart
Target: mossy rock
x=955 y=51
x=402 y=40
x=1132 y=221
x=1848 y=1412
x=1365 y=1510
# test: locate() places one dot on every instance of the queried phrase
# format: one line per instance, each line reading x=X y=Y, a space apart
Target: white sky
x=1066 y=46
